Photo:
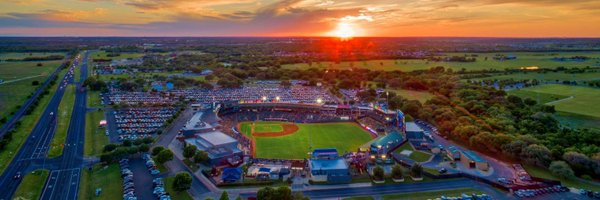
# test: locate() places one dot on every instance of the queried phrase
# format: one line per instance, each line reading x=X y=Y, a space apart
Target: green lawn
x=95 y=137
x=93 y=99
x=413 y=95
x=577 y=121
x=359 y=198
x=184 y=195
x=345 y=137
x=549 y=76
x=541 y=98
x=263 y=127
x=418 y=156
x=544 y=173
x=32 y=185
x=13 y=94
x=524 y=59
x=27 y=124
x=65 y=110
x=4 y=56
x=584 y=101
x=432 y=194
x=103 y=55
x=106 y=178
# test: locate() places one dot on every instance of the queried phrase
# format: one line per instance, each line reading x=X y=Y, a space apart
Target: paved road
x=401 y=188
x=33 y=152
x=64 y=184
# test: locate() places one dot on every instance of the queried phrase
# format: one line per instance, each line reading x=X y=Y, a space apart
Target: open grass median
x=65 y=110
x=95 y=138
x=183 y=195
x=27 y=124
x=106 y=178
x=32 y=185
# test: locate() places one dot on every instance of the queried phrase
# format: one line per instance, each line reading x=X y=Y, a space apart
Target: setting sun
x=344 y=31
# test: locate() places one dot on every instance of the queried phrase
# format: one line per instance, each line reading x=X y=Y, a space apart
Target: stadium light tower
x=277 y=98
x=319 y=100
x=264 y=98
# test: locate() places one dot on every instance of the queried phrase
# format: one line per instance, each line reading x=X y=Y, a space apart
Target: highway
x=33 y=152
x=63 y=183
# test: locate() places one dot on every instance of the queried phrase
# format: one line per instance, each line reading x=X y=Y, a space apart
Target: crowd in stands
x=141 y=122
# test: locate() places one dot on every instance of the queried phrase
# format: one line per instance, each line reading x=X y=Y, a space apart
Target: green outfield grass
x=65 y=110
x=95 y=137
x=108 y=179
x=584 y=100
x=418 y=156
x=342 y=136
x=32 y=185
x=541 y=59
x=27 y=124
x=263 y=127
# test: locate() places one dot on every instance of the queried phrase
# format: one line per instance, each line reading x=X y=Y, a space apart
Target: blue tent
x=231 y=174
x=169 y=86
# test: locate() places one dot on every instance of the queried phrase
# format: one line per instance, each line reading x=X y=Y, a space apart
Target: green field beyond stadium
x=345 y=137
x=570 y=99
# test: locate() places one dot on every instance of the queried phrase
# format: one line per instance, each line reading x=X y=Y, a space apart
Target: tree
x=265 y=194
x=201 y=156
x=561 y=168
x=157 y=150
x=416 y=170
x=397 y=172
x=109 y=147
x=537 y=155
x=378 y=173
x=189 y=151
x=34 y=83
x=164 y=156
x=183 y=181
x=238 y=197
x=143 y=148
x=224 y=196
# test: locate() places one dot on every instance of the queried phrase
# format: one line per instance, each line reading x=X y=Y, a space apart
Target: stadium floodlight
x=373 y=157
x=383 y=156
x=277 y=98
x=319 y=100
x=264 y=98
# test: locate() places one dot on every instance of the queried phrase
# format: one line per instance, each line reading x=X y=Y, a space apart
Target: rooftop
x=387 y=139
x=412 y=127
x=216 y=138
x=195 y=122
x=473 y=156
x=339 y=163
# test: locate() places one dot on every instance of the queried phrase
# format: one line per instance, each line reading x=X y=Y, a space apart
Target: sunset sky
x=395 y=18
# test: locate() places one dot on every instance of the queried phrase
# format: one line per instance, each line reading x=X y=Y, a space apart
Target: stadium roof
x=216 y=138
x=412 y=127
x=195 y=122
x=387 y=139
x=328 y=164
x=473 y=156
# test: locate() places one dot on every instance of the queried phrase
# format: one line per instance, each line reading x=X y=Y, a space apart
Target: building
x=221 y=148
x=453 y=153
x=471 y=159
x=414 y=132
x=327 y=166
x=231 y=174
x=386 y=144
x=196 y=125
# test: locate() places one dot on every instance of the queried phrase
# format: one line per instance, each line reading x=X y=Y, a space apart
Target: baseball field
x=283 y=140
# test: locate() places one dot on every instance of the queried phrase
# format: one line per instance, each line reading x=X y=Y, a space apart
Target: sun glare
x=344 y=31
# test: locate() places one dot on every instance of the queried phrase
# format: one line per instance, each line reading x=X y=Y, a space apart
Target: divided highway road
x=32 y=154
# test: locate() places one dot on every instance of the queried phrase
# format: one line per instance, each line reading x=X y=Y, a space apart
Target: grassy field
x=577 y=121
x=32 y=184
x=175 y=195
x=418 y=156
x=4 y=56
x=342 y=136
x=108 y=179
x=584 y=101
x=541 y=98
x=413 y=95
x=103 y=55
x=359 y=198
x=432 y=194
x=65 y=110
x=544 y=173
x=13 y=94
x=27 y=124
x=95 y=137
x=550 y=76
x=93 y=99
x=524 y=59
